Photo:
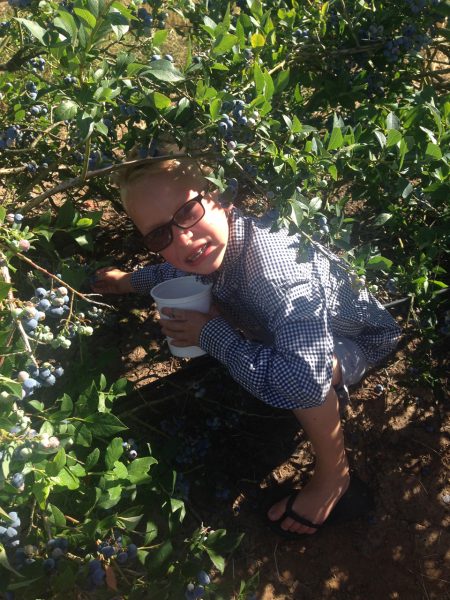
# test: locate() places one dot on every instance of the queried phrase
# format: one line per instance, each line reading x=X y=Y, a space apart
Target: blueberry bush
x=332 y=115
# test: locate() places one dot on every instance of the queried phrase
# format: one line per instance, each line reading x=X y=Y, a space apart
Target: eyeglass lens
x=186 y=216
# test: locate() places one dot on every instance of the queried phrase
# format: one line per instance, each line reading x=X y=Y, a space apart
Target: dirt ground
x=228 y=445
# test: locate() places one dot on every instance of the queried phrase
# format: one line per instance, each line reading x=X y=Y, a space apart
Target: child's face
x=152 y=202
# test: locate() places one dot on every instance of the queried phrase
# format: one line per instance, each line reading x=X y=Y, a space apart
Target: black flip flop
x=355 y=503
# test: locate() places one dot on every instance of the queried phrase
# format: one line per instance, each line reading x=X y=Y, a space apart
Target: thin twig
x=12 y=304
x=80 y=181
x=86 y=297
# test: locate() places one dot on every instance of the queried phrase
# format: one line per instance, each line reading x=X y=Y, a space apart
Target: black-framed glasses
x=185 y=217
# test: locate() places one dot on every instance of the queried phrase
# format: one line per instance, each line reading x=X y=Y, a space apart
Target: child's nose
x=182 y=236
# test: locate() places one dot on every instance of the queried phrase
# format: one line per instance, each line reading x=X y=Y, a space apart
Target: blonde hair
x=161 y=162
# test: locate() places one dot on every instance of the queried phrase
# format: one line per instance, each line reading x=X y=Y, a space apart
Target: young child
x=287 y=331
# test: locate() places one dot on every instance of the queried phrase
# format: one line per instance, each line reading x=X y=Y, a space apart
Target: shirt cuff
x=140 y=282
x=217 y=337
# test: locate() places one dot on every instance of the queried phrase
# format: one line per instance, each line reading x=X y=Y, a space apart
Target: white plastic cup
x=183 y=292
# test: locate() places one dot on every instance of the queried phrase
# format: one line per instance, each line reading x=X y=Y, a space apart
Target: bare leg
x=331 y=475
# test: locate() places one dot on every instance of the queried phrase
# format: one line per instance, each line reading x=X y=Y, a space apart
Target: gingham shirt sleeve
x=294 y=372
x=144 y=279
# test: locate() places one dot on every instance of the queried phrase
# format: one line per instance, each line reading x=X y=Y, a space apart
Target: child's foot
x=314 y=502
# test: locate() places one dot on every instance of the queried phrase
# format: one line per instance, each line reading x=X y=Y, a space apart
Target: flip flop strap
x=289 y=512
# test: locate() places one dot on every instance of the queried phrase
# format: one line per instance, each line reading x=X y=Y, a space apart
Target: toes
x=277 y=510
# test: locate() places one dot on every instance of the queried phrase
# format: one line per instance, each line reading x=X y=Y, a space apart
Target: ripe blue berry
x=108 y=551
x=203 y=578
x=17 y=480
x=18 y=218
x=132 y=550
x=379 y=389
x=122 y=558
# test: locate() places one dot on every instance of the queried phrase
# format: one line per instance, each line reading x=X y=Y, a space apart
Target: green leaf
x=138 y=469
x=104 y=425
x=92 y=459
x=219 y=67
x=13 y=386
x=257 y=40
x=113 y=452
x=36 y=30
x=86 y=16
x=393 y=137
x=160 y=37
x=93 y=6
x=5 y=564
x=214 y=108
x=392 y=121
x=224 y=43
x=381 y=138
x=159 y=558
x=382 y=218
x=433 y=151
x=4 y=289
x=66 y=22
x=67 y=109
x=379 y=263
x=57 y=516
x=164 y=71
x=159 y=101
x=66 y=479
x=336 y=139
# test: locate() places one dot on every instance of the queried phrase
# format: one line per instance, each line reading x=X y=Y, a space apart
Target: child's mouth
x=195 y=256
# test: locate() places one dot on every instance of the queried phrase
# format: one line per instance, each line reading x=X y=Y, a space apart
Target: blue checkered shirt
x=280 y=315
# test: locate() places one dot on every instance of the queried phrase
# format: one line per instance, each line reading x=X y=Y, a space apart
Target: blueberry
x=30 y=324
x=122 y=558
x=108 y=551
x=48 y=381
x=58 y=372
x=203 y=578
x=98 y=577
x=379 y=389
x=94 y=565
x=132 y=454
x=49 y=564
x=132 y=550
x=11 y=533
x=18 y=218
x=30 y=384
x=43 y=305
x=17 y=480
x=222 y=126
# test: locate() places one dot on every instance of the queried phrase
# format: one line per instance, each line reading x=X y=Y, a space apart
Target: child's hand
x=184 y=326
x=111 y=281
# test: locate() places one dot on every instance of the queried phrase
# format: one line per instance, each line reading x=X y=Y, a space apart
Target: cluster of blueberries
x=35 y=377
x=9 y=530
x=417 y=6
x=131 y=448
x=32 y=89
x=44 y=303
x=19 y=3
x=410 y=40
x=57 y=548
x=197 y=591
x=168 y=57
x=37 y=64
x=123 y=555
x=146 y=21
x=70 y=79
x=5 y=26
x=11 y=137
